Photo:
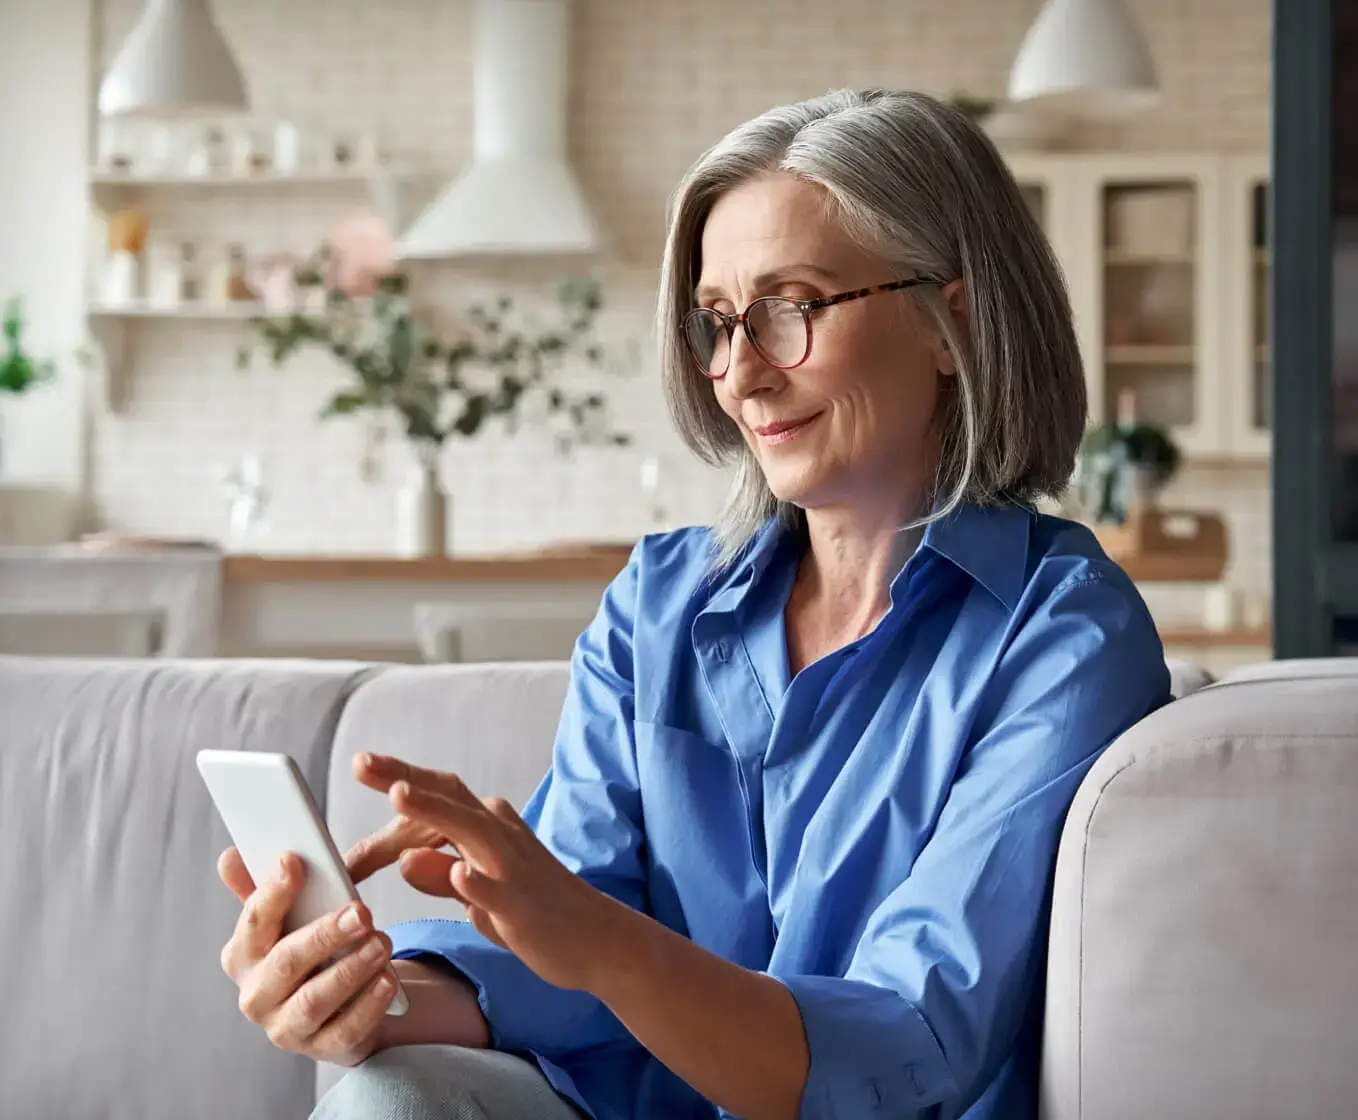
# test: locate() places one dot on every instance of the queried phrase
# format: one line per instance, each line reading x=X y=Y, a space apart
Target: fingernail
x=365 y=759
x=373 y=949
x=283 y=869
x=383 y=985
x=349 y=920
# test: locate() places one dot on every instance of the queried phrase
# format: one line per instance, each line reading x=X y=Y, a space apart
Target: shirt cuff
x=523 y=1011
x=871 y=1050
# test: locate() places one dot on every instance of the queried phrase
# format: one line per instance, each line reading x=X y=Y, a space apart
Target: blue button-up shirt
x=877 y=833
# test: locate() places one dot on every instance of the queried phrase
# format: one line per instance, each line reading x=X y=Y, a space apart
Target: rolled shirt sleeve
x=587 y=811
x=946 y=968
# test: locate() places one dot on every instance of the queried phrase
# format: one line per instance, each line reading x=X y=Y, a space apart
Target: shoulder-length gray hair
x=916 y=182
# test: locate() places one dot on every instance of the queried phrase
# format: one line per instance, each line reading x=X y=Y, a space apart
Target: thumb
x=231 y=871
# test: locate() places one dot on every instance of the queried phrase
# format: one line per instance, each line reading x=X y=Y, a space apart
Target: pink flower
x=362 y=253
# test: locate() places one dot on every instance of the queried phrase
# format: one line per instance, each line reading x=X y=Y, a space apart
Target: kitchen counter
x=558 y=565
x=364 y=607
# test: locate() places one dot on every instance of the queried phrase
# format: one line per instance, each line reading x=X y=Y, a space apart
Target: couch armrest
x=1206 y=893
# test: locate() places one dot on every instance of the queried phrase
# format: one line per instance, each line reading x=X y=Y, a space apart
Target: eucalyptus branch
x=446 y=390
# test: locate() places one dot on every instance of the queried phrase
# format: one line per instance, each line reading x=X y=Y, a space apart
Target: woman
x=793 y=853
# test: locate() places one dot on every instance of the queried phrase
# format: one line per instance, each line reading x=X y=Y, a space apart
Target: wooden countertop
x=1202 y=637
x=566 y=565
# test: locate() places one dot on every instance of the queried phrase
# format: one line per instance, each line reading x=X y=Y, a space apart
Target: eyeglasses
x=778 y=328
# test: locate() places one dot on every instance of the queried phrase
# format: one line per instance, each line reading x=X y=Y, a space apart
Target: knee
x=391 y=1085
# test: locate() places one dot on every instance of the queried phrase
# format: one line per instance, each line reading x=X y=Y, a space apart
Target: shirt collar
x=990 y=544
x=730 y=586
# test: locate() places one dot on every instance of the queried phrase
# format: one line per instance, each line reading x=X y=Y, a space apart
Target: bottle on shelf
x=123 y=282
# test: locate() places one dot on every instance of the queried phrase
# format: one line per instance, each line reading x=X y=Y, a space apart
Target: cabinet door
x=1045 y=183
x=1247 y=379
x=1052 y=186
x=1148 y=295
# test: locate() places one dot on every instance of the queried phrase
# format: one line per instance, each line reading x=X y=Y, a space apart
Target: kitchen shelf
x=259 y=179
x=1149 y=356
x=113 y=327
x=388 y=188
x=391 y=192
x=1203 y=637
x=245 y=309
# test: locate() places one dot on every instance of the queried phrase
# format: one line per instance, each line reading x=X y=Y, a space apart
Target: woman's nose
x=748 y=373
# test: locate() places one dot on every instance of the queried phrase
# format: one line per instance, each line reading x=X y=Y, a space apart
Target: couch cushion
x=111 y=913
x=1186 y=677
x=1202 y=948
x=493 y=725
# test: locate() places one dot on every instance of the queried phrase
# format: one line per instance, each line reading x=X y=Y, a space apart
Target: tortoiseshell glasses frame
x=704 y=327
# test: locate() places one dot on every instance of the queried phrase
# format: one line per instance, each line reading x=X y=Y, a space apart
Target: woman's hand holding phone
x=336 y=1012
x=292 y=985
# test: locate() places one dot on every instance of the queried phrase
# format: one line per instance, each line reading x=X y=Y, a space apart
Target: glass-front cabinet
x=1249 y=354
x=1048 y=190
x=1167 y=263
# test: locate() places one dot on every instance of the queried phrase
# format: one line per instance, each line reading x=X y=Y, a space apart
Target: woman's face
x=862 y=403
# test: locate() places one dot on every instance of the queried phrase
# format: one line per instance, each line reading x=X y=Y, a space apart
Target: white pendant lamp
x=1085 y=58
x=174 y=63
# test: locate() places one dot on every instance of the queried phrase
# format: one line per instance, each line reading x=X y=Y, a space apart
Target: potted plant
x=977 y=108
x=441 y=390
x=20 y=371
x=1125 y=463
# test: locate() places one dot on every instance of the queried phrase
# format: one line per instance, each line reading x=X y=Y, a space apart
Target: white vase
x=422 y=512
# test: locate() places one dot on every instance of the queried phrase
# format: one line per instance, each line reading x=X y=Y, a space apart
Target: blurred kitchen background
x=142 y=248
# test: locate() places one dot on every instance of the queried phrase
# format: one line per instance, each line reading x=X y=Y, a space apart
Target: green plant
x=1112 y=453
x=1140 y=444
x=446 y=390
x=18 y=370
x=977 y=108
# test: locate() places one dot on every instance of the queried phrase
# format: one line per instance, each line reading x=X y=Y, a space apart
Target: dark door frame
x=1312 y=575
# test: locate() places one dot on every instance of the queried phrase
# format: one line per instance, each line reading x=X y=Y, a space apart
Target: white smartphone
x=268 y=810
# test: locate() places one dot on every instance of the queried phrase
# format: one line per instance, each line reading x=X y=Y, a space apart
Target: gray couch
x=1206 y=902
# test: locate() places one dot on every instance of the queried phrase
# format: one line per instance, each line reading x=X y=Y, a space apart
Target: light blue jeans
x=443 y=1083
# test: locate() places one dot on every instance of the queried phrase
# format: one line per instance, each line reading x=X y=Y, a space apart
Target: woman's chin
x=797 y=488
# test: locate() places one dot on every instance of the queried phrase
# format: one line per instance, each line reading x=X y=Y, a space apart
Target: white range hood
x=520 y=195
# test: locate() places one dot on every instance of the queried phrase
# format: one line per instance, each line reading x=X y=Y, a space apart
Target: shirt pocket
x=703 y=881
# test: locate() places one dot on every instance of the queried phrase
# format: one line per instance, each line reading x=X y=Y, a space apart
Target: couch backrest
x=111 y=915
x=1204 y=906
x=492 y=725
x=1202 y=957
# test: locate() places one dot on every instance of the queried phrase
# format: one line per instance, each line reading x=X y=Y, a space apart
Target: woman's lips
x=783 y=431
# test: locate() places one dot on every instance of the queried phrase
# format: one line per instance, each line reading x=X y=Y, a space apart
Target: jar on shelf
x=161 y=149
x=287 y=148
x=225 y=277
x=123 y=279
x=114 y=148
x=249 y=156
x=238 y=287
x=190 y=284
x=163 y=273
x=207 y=153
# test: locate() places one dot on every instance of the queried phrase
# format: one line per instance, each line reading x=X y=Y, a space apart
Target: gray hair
x=916 y=182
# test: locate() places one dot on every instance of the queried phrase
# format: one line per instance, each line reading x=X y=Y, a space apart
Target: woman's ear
x=955 y=297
